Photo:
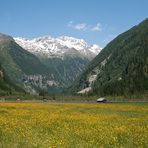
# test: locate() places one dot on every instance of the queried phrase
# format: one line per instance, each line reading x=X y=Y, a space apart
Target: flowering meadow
x=25 y=125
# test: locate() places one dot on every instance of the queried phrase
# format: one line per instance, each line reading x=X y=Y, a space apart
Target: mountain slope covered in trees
x=121 y=68
x=20 y=66
x=7 y=87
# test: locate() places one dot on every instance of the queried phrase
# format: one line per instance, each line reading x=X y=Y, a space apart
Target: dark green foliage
x=16 y=62
x=6 y=85
x=126 y=68
x=67 y=69
x=43 y=93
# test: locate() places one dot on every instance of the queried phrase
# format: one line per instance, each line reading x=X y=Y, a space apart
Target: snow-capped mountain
x=50 y=47
x=65 y=57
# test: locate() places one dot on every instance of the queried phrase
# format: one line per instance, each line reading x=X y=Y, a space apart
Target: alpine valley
x=53 y=64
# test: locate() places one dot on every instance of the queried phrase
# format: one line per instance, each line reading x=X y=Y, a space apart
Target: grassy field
x=73 y=125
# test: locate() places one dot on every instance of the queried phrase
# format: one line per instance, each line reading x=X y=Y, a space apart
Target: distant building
x=101 y=100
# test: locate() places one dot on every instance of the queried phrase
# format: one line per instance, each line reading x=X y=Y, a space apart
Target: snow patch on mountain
x=58 y=47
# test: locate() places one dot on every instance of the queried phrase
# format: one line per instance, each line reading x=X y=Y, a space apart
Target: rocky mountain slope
x=120 y=68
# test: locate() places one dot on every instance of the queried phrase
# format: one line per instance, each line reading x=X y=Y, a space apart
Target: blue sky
x=96 y=21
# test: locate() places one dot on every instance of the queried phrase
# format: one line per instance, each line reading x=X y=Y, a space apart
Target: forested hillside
x=120 y=68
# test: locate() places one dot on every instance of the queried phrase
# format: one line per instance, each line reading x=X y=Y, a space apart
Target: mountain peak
x=48 y=46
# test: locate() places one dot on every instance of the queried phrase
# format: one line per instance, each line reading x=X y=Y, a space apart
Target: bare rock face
x=1 y=74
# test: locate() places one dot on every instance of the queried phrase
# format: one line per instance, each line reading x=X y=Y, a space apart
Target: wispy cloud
x=97 y=27
x=80 y=26
x=85 y=26
x=70 y=24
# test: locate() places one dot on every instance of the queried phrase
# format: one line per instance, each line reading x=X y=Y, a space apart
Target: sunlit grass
x=73 y=125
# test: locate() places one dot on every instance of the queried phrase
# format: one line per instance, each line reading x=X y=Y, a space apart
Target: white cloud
x=81 y=26
x=84 y=26
x=97 y=27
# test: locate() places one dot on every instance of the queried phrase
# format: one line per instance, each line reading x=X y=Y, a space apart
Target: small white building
x=101 y=100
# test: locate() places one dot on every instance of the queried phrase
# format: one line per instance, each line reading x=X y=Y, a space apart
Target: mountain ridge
x=66 y=57
x=32 y=72
x=49 y=47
